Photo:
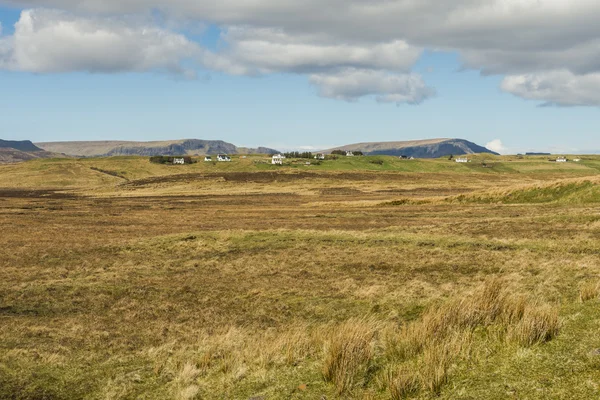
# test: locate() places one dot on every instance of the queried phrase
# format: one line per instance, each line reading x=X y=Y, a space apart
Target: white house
x=320 y=156
x=179 y=161
x=223 y=157
x=277 y=159
x=561 y=159
x=462 y=160
x=207 y=158
x=349 y=154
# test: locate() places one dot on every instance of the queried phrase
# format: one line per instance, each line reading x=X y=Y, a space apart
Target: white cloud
x=47 y=41
x=527 y=39
x=496 y=145
x=265 y=50
x=352 y=84
x=561 y=88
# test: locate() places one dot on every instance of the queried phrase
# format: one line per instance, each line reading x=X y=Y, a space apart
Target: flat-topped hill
x=167 y=148
x=429 y=148
x=22 y=145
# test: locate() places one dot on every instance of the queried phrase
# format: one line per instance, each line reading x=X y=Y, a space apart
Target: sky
x=515 y=75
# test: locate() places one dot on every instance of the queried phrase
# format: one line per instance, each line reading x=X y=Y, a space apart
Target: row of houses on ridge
x=220 y=158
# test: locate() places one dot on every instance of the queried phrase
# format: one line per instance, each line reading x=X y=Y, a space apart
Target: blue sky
x=280 y=108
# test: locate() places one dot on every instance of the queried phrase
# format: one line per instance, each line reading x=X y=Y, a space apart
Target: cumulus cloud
x=562 y=88
x=480 y=24
x=528 y=40
x=266 y=50
x=496 y=145
x=48 y=41
x=352 y=84
x=52 y=41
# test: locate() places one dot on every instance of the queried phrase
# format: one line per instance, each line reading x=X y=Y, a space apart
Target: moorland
x=356 y=278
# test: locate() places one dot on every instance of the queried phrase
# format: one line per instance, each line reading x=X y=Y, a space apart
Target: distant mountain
x=166 y=148
x=432 y=148
x=22 y=145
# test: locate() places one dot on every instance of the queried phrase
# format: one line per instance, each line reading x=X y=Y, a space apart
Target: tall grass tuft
x=402 y=382
x=434 y=373
x=589 y=291
x=348 y=354
x=538 y=325
x=444 y=334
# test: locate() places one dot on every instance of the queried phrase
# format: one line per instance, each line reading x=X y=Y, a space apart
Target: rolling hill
x=13 y=151
x=168 y=148
x=431 y=148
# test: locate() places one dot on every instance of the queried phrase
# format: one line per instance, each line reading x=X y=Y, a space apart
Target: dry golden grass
x=589 y=291
x=295 y=285
x=348 y=354
x=402 y=381
x=538 y=325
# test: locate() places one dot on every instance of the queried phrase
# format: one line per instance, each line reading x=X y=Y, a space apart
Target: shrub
x=169 y=159
x=297 y=154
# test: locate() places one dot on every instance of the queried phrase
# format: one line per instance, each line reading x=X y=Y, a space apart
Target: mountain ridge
x=426 y=148
x=107 y=148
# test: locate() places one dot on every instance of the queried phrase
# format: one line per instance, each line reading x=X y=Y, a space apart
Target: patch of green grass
x=561 y=369
x=566 y=193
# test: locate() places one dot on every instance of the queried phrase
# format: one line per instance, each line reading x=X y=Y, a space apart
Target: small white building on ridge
x=223 y=157
x=277 y=159
x=207 y=158
x=462 y=160
x=179 y=161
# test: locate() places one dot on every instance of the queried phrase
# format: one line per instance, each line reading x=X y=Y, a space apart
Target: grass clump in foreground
x=428 y=348
x=589 y=291
x=348 y=354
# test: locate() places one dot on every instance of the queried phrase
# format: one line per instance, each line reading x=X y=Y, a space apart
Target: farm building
x=179 y=161
x=277 y=159
x=561 y=159
x=208 y=158
x=223 y=158
x=349 y=154
x=462 y=160
x=320 y=156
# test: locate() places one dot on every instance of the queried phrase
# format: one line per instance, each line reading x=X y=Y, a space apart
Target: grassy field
x=362 y=278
